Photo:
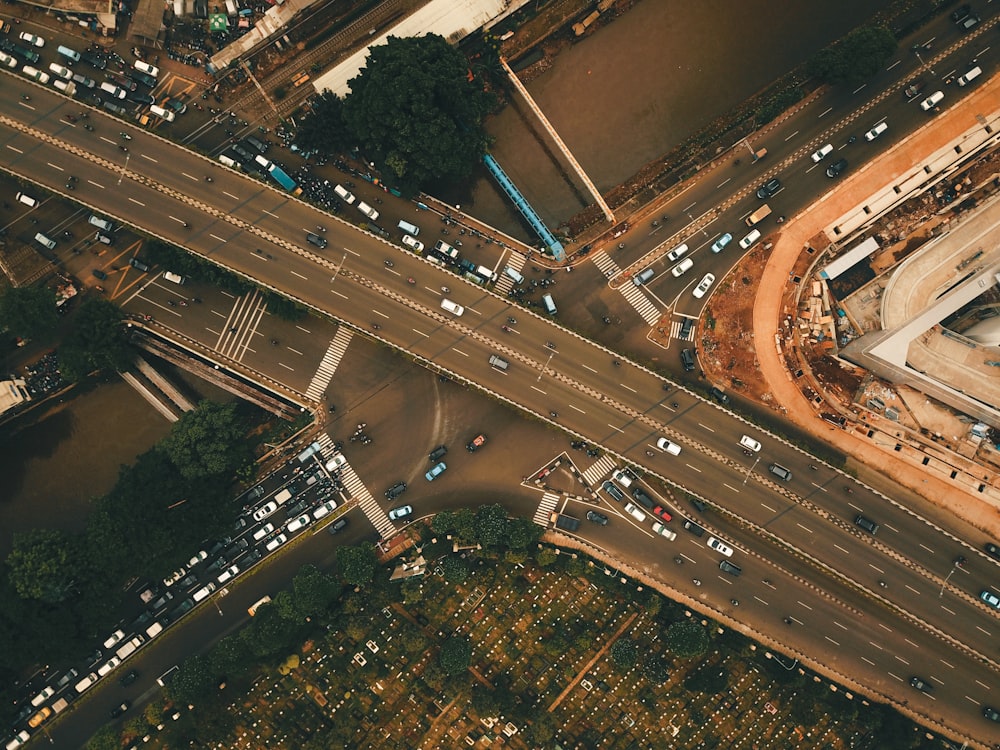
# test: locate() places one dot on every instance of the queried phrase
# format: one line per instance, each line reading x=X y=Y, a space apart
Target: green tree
x=465 y=524
x=521 y=532
x=654 y=604
x=656 y=669
x=491 y=525
x=546 y=556
x=96 y=341
x=542 y=729
x=356 y=564
x=855 y=58
x=105 y=738
x=456 y=653
x=413 y=110
x=485 y=701
x=314 y=590
x=208 y=441
x=29 y=311
x=576 y=566
x=443 y=522
x=624 y=653
x=43 y=565
x=687 y=639
x=455 y=569
x=194 y=682
x=412 y=590
x=323 y=128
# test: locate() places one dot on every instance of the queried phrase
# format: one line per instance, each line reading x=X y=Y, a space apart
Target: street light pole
x=747 y=477
x=545 y=366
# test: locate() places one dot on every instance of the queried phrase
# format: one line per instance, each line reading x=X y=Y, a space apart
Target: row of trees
x=61 y=591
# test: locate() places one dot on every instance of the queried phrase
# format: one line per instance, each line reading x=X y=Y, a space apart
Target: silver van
x=780 y=471
x=643 y=277
x=550 y=305
x=41 y=239
x=100 y=223
x=499 y=363
x=515 y=276
x=968 y=77
x=408 y=228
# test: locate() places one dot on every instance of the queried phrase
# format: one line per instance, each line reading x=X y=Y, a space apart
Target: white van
x=751 y=238
x=486 y=273
x=344 y=194
x=368 y=211
x=174 y=277
x=41 y=239
x=86 y=682
x=35 y=74
x=163 y=114
x=408 y=228
x=682 y=267
x=229 y=161
x=637 y=514
x=550 y=305
x=453 y=307
x=514 y=276
x=26 y=200
x=116 y=91
x=203 y=592
x=69 y=54
x=265 y=163
x=283 y=497
x=932 y=101
x=100 y=223
x=676 y=254
x=968 y=77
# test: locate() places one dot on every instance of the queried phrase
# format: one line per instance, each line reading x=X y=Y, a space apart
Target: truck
x=164 y=679
x=567 y=523
x=282 y=178
x=759 y=215
x=129 y=648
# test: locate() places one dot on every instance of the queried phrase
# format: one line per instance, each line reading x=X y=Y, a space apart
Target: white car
x=61 y=70
x=751 y=238
x=272 y=545
x=35 y=74
x=622 y=478
x=413 y=242
x=665 y=445
x=8 y=60
x=707 y=280
x=114 y=638
x=659 y=528
x=324 y=510
x=264 y=511
x=932 y=101
x=681 y=268
x=824 y=152
x=875 y=132
x=202 y=555
x=263 y=531
x=748 y=442
x=719 y=547
x=32 y=39
x=108 y=666
x=145 y=67
x=336 y=463
x=401 y=512
x=297 y=524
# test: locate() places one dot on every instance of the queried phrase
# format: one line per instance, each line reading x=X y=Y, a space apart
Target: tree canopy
x=356 y=564
x=96 y=341
x=29 y=311
x=413 y=109
x=207 y=441
x=855 y=58
x=687 y=638
x=456 y=652
x=42 y=565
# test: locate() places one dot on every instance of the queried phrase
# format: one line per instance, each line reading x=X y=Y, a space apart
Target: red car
x=662 y=513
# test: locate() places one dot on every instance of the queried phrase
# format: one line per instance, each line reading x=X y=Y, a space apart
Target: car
x=990 y=598
x=875 y=132
x=436 y=471
x=703 y=286
x=720 y=244
x=337 y=526
x=265 y=510
x=659 y=528
x=19 y=739
x=748 y=442
x=719 y=395
x=145 y=67
x=276 y=542
x=750 y=239
x=324 y=510
x=140 y=97
x=61 y=70
x=476 y=443
x=119 y=709
x=440 y=452
x=175 y=105
x=33 y=39
x=395 y=491
x=315 y=239
x=124 y=83
x=835 y=169
x=769 y=188
x=991 y=713
x=693 y=528
x=681 y=268
x=128 y=678
x=263 y=531
x=598 y=518
x=719 y=546
x=969 y=23
x=932 y=101
x=622 y=478
x=9 y=60
x=961 y=13
x=610 y=488
x=114 y=638
x=297 y=524
x=992 y=549
x=660 y=512
x=174 y=577
x=665 y=445
x=40 y=717
x=920 y=684
x=412 y=242
x=200 y=556
x=401 y=512
x=822 y=153
x=913 y=88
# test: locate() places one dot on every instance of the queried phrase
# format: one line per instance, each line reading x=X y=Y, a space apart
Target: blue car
x=435 y=472
x=720 y=244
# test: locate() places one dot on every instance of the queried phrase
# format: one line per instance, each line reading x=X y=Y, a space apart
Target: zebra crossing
x=598 y=469
x=356 y=489
x=646 y=309
x=331 y=360
x=548 y=504
x=506 y=283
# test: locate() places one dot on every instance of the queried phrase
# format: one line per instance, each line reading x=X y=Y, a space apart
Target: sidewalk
x=770 y=308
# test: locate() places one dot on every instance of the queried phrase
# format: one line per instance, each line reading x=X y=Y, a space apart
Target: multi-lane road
x=822 y=571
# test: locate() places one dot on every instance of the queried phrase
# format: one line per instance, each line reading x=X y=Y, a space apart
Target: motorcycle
x=411 y=280
x=696 y=582
x=208 y=179
x=388 y=263
x=512 y=321
x=446 y=290
x=89 y=127
x=508 y=329
x=550 y=345
x=126 y=136
x=650 y=453
x=781 y=220
x=554 y=415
